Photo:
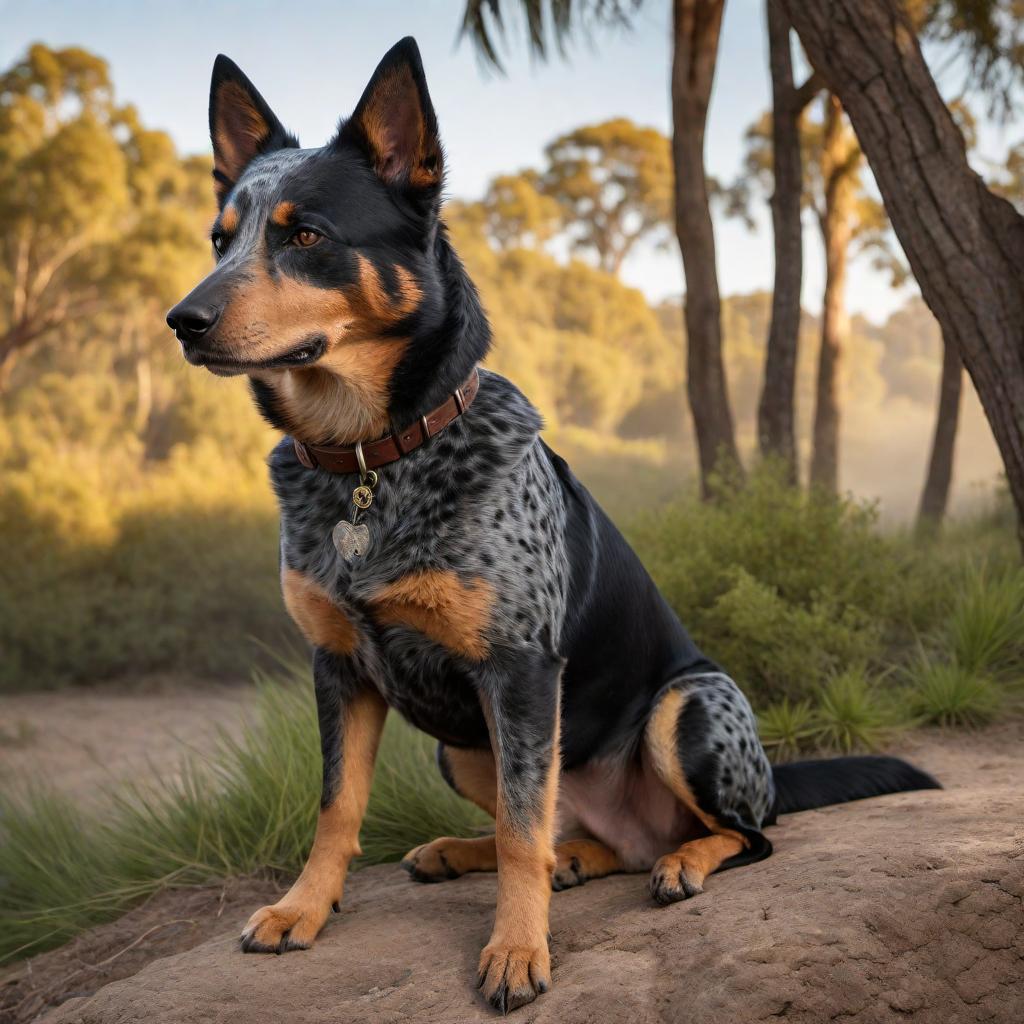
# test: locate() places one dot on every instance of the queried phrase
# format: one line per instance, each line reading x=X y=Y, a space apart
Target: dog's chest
x=462 y=553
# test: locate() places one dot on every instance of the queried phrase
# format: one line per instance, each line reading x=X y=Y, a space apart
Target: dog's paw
x=430 y=862
x=287 y=925
x=512 y=976
x=672 y=882
x=568 y=873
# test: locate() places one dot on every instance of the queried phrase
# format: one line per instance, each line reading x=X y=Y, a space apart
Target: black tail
x=804 y=785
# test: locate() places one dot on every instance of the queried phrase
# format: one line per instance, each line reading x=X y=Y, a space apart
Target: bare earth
x=905 y=908
x=82 y=741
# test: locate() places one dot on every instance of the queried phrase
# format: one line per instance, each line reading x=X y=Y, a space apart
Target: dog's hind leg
x=702 y=741
x=472 y=775
x=579 y=860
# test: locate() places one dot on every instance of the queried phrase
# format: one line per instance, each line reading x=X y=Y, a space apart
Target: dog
x=444 y=562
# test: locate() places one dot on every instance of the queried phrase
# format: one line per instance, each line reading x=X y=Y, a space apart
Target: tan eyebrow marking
x=283 y=214
x=229 y=218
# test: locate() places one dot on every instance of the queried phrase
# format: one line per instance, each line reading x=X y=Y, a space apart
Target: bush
x=985 y=633
x=175 y=570
x=250 y=807
x=781 y=587
x=952 y=695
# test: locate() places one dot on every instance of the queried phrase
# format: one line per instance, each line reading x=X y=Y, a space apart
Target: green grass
x=952 y=695
x=985 y=633
x=787 y=729
x=250 y=807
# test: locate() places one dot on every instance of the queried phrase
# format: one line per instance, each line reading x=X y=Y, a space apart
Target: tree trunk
x=836 y=230
x=965 y=244
x=696 y=25
x=937 y=486
x=776 y=413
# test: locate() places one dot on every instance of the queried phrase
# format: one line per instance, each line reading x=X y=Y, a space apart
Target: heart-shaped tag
x=351 y=541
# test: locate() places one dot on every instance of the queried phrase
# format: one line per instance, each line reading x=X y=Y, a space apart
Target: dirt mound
x=905 y=908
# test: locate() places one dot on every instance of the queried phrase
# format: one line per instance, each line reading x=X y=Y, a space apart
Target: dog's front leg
x=520 y=695
x=351 y=719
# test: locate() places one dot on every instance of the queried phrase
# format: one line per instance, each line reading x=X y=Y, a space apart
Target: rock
x=904 y=908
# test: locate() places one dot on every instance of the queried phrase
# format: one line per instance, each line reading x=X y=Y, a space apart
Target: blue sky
x=312 y=59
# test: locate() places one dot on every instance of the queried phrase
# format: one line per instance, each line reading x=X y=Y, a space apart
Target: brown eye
x=220 y=243
x=305 y=238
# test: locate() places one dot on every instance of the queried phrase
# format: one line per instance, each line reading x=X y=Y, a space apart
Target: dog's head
x=328 y=260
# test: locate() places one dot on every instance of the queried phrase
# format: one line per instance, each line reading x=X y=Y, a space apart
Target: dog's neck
x=363 y=389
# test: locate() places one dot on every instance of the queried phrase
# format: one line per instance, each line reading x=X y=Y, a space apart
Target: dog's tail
x=804 y=785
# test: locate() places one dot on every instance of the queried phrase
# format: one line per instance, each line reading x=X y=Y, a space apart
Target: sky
x=311 y=61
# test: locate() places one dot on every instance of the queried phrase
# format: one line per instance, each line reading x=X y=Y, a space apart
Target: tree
x=965 y=244
x=613 y=182
x=516 y=213
x=850 y=221
x=776 y=411
x=82 y=185
x=696 y=26
x=939 y=480
x=695 y=30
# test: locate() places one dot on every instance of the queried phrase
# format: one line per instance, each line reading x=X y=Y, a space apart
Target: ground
x=904 y=908
x=82 y=741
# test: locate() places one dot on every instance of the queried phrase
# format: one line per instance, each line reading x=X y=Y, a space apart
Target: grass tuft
x=951 y=695
x=985 y=634
x=787 y=728
x=853 y=714
x=250 y=807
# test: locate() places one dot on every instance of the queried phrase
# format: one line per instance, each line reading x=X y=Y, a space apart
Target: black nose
x=190 y=322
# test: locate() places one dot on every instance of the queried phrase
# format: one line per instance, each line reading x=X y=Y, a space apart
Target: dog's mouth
x=223 y=365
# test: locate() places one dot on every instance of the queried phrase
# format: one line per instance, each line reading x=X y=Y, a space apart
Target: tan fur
x=394 y=127
x=592 y=858
x=449 y=856
x=306 y=906
x=438 y=604
x=229 y=219
x=321 y=621
x=239 y=131
x=699 y=857
x=516 y=955
x=282 y=214
x=344 y=397
x=475 y=776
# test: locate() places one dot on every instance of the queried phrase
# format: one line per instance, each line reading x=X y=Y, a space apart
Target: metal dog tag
x=352 y=540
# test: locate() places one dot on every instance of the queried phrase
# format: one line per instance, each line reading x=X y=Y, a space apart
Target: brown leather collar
x=391 y=447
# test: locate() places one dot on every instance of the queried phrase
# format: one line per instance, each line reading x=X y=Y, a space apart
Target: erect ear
x=395 y=121
x=242 y=126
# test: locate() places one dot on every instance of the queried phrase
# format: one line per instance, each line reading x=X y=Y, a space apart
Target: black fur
x=805 y=785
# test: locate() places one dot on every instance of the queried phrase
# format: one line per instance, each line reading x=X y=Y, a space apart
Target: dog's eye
x=305 y=238
x=220 y=242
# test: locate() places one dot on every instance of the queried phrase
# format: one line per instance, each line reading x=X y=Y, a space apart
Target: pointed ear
x=395 y=121
x=242 y=126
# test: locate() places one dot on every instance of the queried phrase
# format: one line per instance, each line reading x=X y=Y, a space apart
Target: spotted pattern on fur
x=480 y=500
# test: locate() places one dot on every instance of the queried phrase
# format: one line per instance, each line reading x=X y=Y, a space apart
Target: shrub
x=852 y=714
x=985 y=633
x=787 y=729
x=780 y=586
x=952 y=695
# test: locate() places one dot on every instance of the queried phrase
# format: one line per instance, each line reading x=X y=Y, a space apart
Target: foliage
x=250 y=807
x=96 y=211
x=951 y=695
x=614 y=184
x=852 y=714
x=780 y=586
x=985 y=632
x=787 y=728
